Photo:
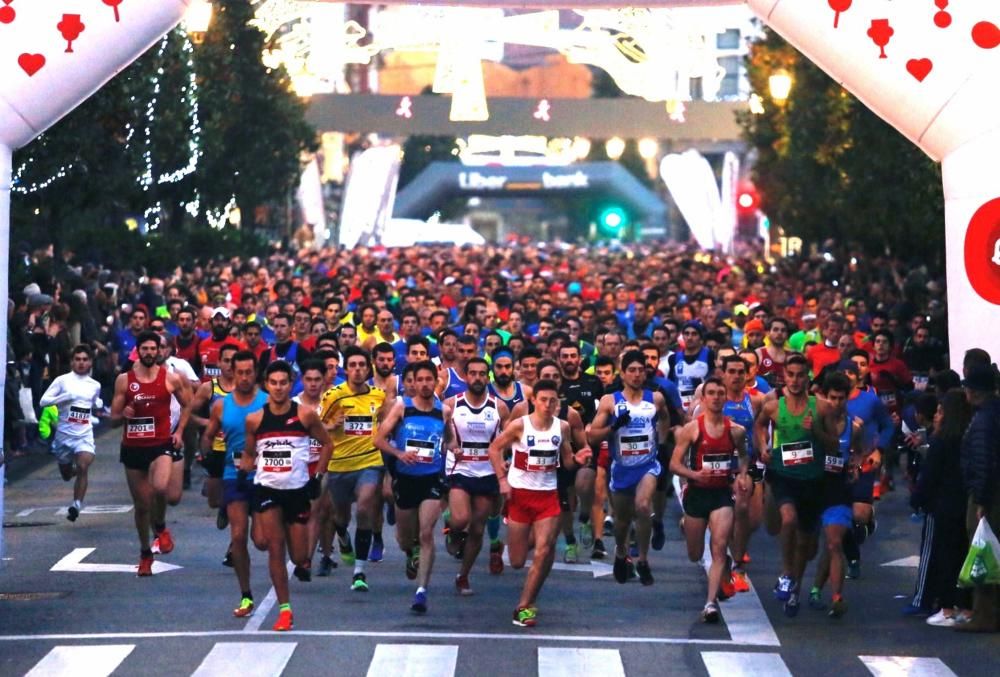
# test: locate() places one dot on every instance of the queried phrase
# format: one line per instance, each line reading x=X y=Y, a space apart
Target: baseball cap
x=32 y=289
x=221 y=310
x=849 y=365
x=981 y=377
x=39 y=300
x=753 y=325
x=809 y=316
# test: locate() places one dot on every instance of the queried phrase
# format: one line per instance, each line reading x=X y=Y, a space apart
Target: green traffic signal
x=612 y=220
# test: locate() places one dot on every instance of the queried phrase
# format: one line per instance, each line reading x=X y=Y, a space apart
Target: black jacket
x=939 y=489
x=981 y=453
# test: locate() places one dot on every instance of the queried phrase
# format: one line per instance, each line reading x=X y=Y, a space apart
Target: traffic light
x=747 y=199
x=612 y=221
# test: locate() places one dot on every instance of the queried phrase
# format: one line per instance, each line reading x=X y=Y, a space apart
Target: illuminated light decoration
x=676 y=110
x=481 y=150
x=405 y=108
x=780 y=85
x=614 y=147
x=543 y=111
x=581 y=147
x=653 y=54
x=746 y=201
x=468 y=100
x=198 y=19
x=756 y=104
x=648 y=148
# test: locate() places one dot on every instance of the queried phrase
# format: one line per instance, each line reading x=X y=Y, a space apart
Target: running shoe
x=740 y=581
x=569 y=557
x=221 y=519
x=853 y=569
x=227 y=561
x=525 y=617
x=645 y=575
x=413 y=564
x=419 y=605
x=659 y=538
x=633 y=549
x=783 y=588
x=304 y=574
x=462 y=585
x=326 y=566
x=377 y=552
x=746 y=558
x=360 y=583
x=792 y=605
x=346 y=551
x=914 y=610
x=244 y=609
x=877 y=491
x=163 y=543
x=454 y=543
x=816 y=599
x=285 y=621
x=496 y=558
x=726 y=590
x=838 y=608
x=599 y=552
x=710 y=614
x=609 y=524
x=145 y=566
x=586 y=535
x=390 y=514
x=621 y=569
x=72 y=513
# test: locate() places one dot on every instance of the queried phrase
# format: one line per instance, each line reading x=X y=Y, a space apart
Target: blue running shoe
x=377 y=551
x=783 y=588
x=419 y=605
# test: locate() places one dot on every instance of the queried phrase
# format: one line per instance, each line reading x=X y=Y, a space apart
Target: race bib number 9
x=140 y=428
x=425 y=451
x=796 y=453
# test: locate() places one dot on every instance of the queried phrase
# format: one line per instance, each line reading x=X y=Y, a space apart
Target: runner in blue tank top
x=416 y=432
x=634 y=420
x=229 y=416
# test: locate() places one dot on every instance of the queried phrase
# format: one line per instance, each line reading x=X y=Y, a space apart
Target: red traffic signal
x=747 y=200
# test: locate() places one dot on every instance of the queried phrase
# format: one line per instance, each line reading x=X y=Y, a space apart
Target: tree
x=254 y=128
x=827 y=167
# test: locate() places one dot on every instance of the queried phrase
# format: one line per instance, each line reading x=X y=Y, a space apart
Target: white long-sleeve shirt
x=76 y=397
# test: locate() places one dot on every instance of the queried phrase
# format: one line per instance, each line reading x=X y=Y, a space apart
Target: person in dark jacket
x=939 y=494
x=980 y=460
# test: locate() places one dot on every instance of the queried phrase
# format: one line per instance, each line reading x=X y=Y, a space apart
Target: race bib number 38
x=796 y=453
x=140 y=428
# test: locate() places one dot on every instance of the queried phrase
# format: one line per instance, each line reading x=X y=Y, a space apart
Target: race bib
x=716 y=464
x=687 y=396
x=920 y=383
x=475 y=451
x=140 y=428
x=796 y=453
x=314 y=449
x=888 y=399
x=541 y=460
x=834 y=464
x=79 y=415
x=276 y=460
x=425 y=451
x=634 y=445
x=359 y=426
x=213 y=371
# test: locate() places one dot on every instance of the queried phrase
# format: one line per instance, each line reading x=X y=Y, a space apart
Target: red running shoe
x=145 y=566
x=163 y=543
x=496 y=558
x=284 y=622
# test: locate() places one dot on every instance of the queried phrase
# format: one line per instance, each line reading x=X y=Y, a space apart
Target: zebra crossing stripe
x=252 y=659
x=906 y=666
x=81 y=661
x=413 y=660
x=744 y=664
x=579 y=663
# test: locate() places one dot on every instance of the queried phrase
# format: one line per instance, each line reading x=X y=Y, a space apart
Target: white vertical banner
x=725 y=226
x=691 y=183
x=369 y=195
x=310 y=199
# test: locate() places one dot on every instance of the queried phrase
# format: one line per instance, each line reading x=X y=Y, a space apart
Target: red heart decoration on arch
x=919 y=68
x=31 y=63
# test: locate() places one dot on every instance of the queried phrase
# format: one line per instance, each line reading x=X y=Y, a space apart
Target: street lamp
x=614 y=147
x=197 y=19
x=780 y=84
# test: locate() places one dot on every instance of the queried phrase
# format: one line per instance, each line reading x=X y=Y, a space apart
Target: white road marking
x=413 y=660
x=740 y=664
x=905 y=666
x=264 y=608
x=255 y=659
x=911 y=561
x=597 y=569
x=745 y=617
x=60 y=511
x=528 y=636
x=81 y=661
x=580 y=663
x=74 y=562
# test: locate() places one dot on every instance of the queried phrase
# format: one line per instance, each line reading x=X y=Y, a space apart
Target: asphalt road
x=179 y=622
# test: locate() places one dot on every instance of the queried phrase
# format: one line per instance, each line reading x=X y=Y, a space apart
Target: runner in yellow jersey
x=351 y=412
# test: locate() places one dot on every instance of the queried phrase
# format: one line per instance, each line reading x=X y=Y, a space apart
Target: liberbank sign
x=478 y=180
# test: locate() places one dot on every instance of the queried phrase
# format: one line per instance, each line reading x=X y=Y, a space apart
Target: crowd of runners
x=543 y=401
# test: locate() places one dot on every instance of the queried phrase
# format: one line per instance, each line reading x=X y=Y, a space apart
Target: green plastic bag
x=982 y=564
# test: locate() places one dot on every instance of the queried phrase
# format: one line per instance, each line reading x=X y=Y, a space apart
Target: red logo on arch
x=982 y=251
